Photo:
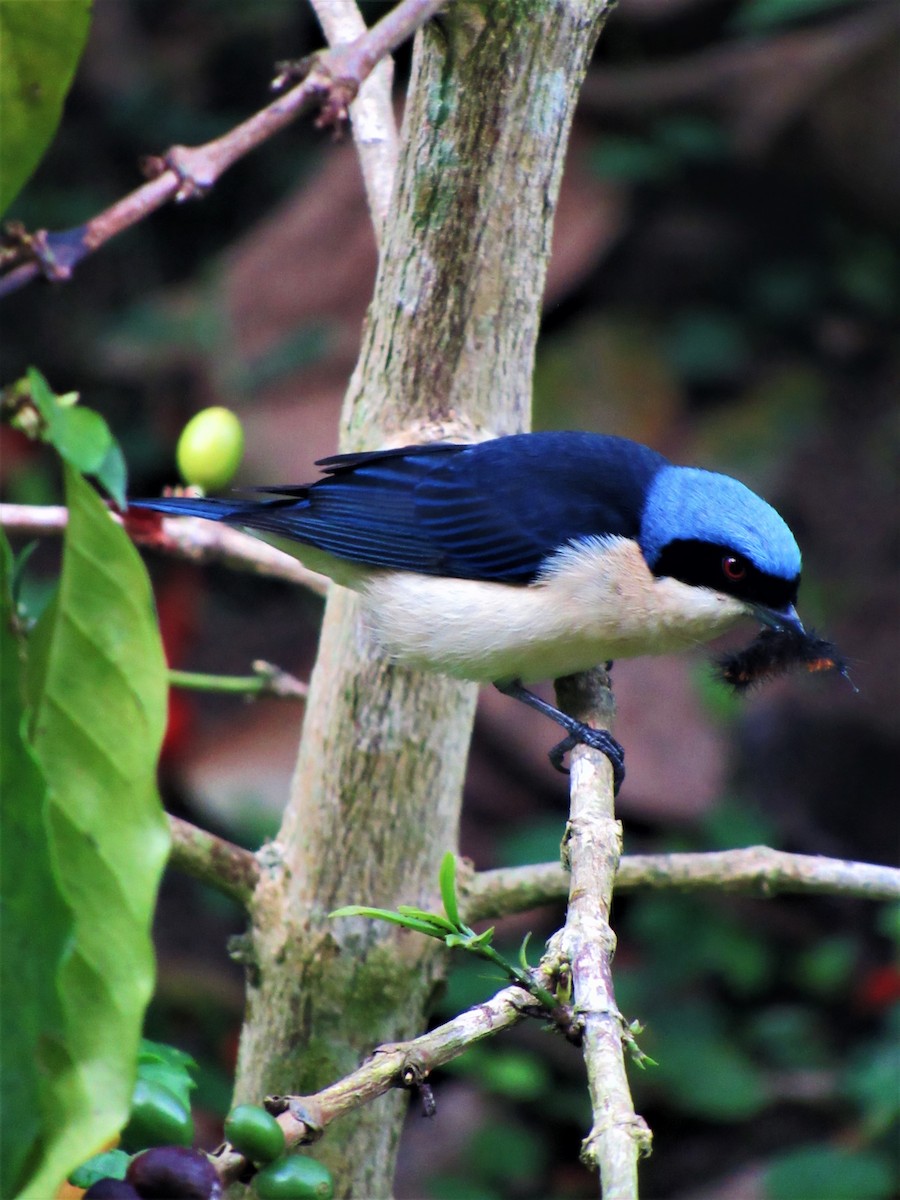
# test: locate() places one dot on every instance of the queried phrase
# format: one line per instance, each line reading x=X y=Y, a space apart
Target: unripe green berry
x=210 y=449
x=294 y=1177
x=255 y=1133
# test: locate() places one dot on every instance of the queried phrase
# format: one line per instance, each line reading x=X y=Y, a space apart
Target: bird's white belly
x=595 y=601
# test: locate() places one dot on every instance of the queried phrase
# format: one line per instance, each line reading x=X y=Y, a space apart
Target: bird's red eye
x=734 y=569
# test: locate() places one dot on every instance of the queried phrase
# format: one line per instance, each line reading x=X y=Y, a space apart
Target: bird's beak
x=779 y=618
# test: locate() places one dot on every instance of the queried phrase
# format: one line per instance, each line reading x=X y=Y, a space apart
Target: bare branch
x=586 y=944
x=371 y=113
x=761 y=870
x=757 y=870
x=331 y=80
x=399 y=1064
x=37 y=519
x=220 y=864
x=182 y=537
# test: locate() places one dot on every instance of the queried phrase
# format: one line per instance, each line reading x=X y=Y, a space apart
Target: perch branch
x=586 y=944
x=331 y=80
x=758 y=870
x=183 y=537
x=398 y=1064
x=371 y=113
x=214 y=861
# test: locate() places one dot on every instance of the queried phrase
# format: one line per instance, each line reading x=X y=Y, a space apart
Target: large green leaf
x=40 y=45
x=97 y=689
x=35 y=921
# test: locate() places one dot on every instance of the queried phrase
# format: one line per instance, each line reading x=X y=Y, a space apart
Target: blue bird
x=533 y=556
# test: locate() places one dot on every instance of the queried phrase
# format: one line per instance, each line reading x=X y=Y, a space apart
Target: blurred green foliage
x=40 y=45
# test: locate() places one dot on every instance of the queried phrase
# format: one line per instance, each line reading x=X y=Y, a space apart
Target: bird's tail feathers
x=194 y=506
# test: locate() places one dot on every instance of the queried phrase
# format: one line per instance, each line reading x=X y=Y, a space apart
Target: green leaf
x=162 y=1052
x=523 y=952
x=111 y=1164
x=97 y=685
x=701 y=1068
x=37 y=923
x=435 y=919
x=112 y=474
x=80 y=435
x=168 y=1066
x=830 y=1173
x=40 y=45
x=520 y=1074
x=482 y=939
x=871 y=1082
x=395 y=918
x=828 y=967
x=508 y=1152
x=175 y=1079
x=447 y=878
x=82 y=438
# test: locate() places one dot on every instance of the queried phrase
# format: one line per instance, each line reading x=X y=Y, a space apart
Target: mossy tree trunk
x=448 y=351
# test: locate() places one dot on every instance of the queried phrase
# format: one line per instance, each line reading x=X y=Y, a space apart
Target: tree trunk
x=447 y=351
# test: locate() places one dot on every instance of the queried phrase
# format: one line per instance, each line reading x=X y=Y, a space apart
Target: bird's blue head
x=709 y=530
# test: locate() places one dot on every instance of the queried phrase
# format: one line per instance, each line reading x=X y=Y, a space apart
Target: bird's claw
x=597 y=739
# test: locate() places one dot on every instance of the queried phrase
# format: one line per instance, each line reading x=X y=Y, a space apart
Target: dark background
x=725 y=286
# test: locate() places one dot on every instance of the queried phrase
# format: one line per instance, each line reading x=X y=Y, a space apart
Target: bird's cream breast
x=595 y=600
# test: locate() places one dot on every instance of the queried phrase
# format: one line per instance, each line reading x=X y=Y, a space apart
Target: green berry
x=210 y=449
x=158 y=1118
x=255 y=1133
x=294 y=1177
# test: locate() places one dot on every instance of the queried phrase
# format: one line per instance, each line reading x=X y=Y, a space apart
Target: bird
x=532 y=556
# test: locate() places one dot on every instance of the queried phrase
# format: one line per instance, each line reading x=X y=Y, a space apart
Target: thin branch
x=268 y=680
x=332 y=78
x=371 y=113
x=586 y=944
x=488 y=895
x=758 y=870
x=182 y=537
x=228 y=868
x=398 y=1064
x=761 y=870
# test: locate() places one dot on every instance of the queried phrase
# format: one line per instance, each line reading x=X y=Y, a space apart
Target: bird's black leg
x=577 y=732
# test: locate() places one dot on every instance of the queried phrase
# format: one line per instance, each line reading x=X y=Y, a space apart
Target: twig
x=183 y=537
x=399 y=1064
x=214 y=861
x=371 y=113
x=758 y=870
x=268 y=680
x=331 y=80
x=586 y=944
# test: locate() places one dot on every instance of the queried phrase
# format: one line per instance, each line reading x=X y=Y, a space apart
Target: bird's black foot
x=597 y=739
x=578 y=734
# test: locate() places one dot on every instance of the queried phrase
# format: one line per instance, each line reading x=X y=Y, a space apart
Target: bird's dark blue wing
x=494 y=510
x=499 y=510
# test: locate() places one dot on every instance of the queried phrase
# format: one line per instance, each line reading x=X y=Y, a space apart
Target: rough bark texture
x=448 y=351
